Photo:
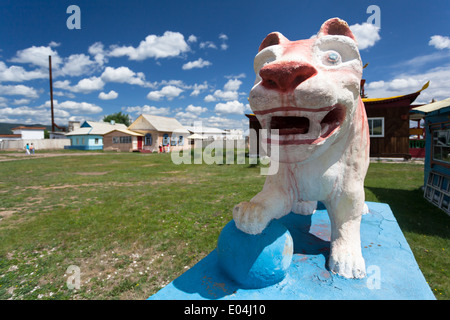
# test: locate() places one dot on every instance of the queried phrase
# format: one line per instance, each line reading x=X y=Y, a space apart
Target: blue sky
x=193 y=60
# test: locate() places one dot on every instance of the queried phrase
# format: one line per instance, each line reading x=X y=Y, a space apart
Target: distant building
x=123 y=140
x=208 y=133
x=157 y=130
x=437 y=152
x=29 y=133
x=90 y=135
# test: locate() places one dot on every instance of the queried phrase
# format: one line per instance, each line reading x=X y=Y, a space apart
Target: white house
x=29 y=133
x=208 y=133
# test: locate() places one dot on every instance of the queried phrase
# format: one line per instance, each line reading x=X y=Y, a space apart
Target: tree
x=118 y=117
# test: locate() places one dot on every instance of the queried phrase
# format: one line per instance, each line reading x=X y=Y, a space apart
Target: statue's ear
x=335 y=26
x=272 y=39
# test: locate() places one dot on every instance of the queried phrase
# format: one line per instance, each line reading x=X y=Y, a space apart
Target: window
x=173 y=141
x=165 y=139
x=148 y=139
x=181 y=141
x=376 y=127
x=96 y=140
x=441 y=145
x=126 y=139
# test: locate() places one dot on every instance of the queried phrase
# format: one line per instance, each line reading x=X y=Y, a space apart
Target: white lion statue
x=310 y=91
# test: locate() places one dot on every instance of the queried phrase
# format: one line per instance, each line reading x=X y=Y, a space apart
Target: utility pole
x=51 y=90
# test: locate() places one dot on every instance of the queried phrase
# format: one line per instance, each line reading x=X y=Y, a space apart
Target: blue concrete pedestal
x=392 y=271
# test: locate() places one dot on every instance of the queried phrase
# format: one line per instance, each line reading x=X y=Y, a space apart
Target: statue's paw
x=304 y=207
x=347 y=264
x=249 y=217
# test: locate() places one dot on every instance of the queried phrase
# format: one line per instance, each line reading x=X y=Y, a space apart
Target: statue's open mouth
x=307 y=126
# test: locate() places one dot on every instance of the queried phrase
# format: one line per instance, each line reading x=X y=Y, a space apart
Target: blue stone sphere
x=255 y=261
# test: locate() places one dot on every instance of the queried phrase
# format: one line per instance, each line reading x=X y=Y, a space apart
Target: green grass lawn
x=134 y=222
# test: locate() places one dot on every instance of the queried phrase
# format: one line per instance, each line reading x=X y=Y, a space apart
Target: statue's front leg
x=345 y=215
x=271 y=203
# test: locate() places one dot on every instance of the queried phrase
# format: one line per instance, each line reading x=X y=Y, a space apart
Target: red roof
x=10 y=135
x=28 y=128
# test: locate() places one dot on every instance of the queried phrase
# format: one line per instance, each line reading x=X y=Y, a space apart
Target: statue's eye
x=332 y=58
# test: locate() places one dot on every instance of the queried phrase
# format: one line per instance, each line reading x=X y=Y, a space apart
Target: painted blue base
x=392 y=271
x=255 y=261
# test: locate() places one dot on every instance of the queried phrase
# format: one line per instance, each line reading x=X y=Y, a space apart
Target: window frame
x=148 y=137
x=371 y=134
x=435 y=144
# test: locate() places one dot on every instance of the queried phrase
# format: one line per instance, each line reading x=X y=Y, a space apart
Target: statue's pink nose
x=286 y=75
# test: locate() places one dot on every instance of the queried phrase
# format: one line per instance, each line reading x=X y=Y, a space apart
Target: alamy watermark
x=375 y=17
x=373 y=277
x=74 y=279
x=74 y=20
x=229 y=151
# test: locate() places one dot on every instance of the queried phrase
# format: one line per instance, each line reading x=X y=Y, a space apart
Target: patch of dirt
x=92 y=173
x=6 y=214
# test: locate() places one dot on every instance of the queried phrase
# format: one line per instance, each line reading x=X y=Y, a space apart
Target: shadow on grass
x=413 y=212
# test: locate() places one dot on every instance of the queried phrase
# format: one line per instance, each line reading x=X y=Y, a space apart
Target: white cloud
x=196 y=110
x=98 y=52
x=207 y=45
x=23 y=101
x=224 y=38
x=375 y=85
x=78 y=107
x=31 y=113
x=192 y=38
x=171 y=44
x=186 y=117
x=366 y=34
x=123 y=75
x=19 y=74
x=405 y=84
x=230 y=107
x=38 y=56
x=41 y=113
x=169 y=92
x=408 y=83
x=18 y=90
x=232 y=85
x=200 y=63
x=86 y=85
x=440 y=42
x=54 y=44
x=226 y=95
x=229 y=92
x=241 y=75
x=210 y=98
x=147 y=110
x=108 y=96
x=198 y=88
x=76 y=65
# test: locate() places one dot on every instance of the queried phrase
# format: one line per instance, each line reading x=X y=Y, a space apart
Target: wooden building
x=122 y=140
x=437 y=152
x=389 y=124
